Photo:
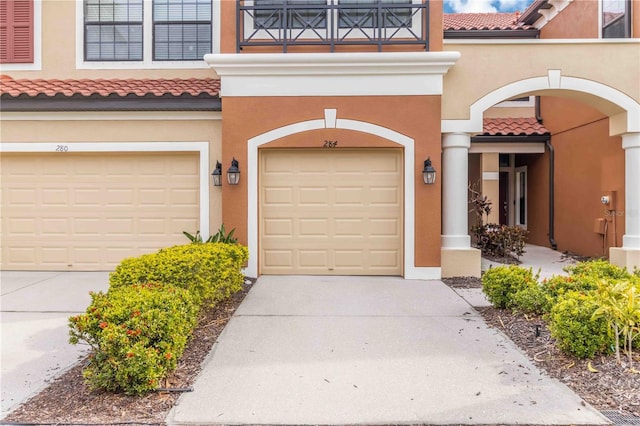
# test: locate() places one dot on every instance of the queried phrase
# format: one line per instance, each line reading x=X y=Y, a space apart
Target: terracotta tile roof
x=526 y=126
x=104 y=87
x=483 y=21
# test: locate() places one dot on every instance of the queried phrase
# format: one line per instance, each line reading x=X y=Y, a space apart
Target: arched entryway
x=624 y=120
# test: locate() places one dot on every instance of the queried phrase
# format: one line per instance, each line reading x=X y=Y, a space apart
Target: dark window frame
x=617 y=25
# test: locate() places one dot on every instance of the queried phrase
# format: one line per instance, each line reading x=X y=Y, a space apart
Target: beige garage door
x=89 y=211
x=331 y=212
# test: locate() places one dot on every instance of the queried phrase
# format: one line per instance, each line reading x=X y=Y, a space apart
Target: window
x=372 y=17
x=151 y=30
x=16 y=31
x=182 y=29
x=616 y=18
x=300 y=14
x=113 y=30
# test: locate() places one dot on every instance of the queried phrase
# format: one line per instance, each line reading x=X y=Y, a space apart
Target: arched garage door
x=331 y=211
x=88 y=211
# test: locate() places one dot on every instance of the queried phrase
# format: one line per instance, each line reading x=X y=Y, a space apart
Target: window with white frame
x=115 y=30
x=616 y=19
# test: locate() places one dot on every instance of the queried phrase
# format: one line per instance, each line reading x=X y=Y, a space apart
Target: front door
x=503 y=205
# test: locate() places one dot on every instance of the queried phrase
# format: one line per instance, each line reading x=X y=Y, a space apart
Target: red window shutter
x=16 y=31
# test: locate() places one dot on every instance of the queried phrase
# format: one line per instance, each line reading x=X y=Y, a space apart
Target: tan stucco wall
x=59 y=51
x=483 y=68
x=126 y=131
x=502 y=112
x=415 y=116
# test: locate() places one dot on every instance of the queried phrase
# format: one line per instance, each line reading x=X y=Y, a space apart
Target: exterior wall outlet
x=599 y=225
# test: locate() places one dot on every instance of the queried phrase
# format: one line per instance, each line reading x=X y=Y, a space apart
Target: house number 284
x=330 y=144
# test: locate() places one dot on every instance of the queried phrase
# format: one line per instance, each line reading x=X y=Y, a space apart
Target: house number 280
x=330 y=144
x=62 y=148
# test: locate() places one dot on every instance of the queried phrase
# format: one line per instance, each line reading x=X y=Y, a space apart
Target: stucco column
x=455 y=181
x=457 y=256
x=631 y=146
x=629 y=254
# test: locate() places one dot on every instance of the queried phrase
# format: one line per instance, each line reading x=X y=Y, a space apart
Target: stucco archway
x=624 y=120
x=330 y=121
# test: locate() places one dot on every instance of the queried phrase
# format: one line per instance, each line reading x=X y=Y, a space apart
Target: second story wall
x=59 y=44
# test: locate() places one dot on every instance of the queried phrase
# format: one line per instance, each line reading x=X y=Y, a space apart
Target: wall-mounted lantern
x=429 y=173
x=216 y=175
x=233 y=174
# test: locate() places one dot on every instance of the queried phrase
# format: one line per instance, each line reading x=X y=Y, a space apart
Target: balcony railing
x=332 y=23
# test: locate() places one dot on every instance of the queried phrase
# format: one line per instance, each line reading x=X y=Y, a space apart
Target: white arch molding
x=627 y=121
x=330 y=121
x=624 y=120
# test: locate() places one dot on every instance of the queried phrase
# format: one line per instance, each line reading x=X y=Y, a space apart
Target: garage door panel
x=89 y=211
x=337 y=212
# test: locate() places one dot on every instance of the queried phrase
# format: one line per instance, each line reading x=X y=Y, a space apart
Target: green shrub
x=530 y=300
x=598 y=268
x=560 y=285
x=576 y=331
x=212 y=272
x=502 y=282
x=137 y=334
x=500 y=240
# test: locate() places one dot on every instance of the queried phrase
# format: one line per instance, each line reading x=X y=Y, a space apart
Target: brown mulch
x=67 y=400
x=613 y=387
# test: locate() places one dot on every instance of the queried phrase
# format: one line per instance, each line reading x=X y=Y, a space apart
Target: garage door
x=89 y=211
x=331 y=212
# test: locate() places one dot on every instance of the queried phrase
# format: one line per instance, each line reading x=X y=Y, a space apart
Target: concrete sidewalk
x=34 y=308
x=369 y=350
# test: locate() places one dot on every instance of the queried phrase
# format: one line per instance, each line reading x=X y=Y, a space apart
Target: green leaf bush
x=502 y=282
x=559 y=285
x=598 y=268
x=212 y=272
x=137 y=334
x=572 y=324
x=139 y=328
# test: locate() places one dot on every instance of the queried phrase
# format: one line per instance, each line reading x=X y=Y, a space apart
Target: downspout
x=552 y=208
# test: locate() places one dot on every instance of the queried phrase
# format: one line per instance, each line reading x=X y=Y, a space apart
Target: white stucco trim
x=332 y=74
x=111 y=116
x=36 y=65
x=553 y=81
x=410 y=270
x=202 y=148
x=490 y=175
x=511 y=148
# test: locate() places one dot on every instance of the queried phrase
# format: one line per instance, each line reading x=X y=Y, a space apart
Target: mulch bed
x=614 y=387
x=67 y=400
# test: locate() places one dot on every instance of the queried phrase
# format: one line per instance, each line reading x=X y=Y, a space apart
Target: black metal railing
x=332 y=23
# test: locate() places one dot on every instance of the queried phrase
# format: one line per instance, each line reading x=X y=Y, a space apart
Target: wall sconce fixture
x=233 y=174
x=216 y=175
x=429 y=173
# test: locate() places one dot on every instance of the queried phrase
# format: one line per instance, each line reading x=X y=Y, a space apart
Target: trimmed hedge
x=139 y=328
x=502 y=282
x=574 y=327
x=211 y=271
x=137 y=334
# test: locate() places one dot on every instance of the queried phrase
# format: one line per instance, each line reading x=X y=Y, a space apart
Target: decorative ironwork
x=331 y=23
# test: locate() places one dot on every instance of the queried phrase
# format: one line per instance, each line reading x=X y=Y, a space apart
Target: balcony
x=332 y=23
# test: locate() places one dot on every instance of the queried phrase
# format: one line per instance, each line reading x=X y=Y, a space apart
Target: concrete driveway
x=34 y=307
x=369 y=350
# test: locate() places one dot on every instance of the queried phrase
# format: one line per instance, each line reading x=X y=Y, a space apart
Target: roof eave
x=60 y=103
x=484 y=34
x=511 y=138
